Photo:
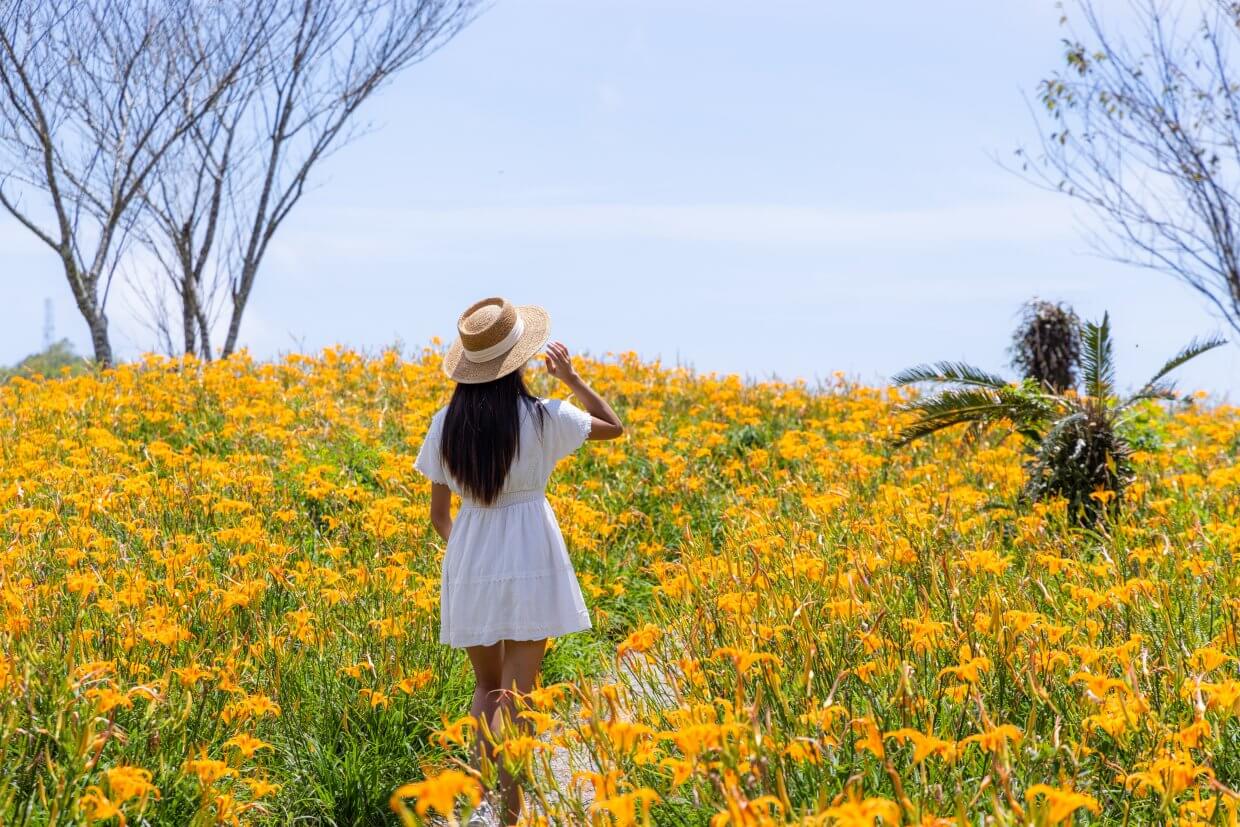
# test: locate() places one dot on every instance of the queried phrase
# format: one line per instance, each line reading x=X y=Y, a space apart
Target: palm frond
x=950 y=372
x=982 y=407
x=925 y=427
x=1160 y=390
x=1097 y=359
x=952 y=402
x=1191 y=351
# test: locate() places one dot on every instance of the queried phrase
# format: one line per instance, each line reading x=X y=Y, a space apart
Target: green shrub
x=57 y=359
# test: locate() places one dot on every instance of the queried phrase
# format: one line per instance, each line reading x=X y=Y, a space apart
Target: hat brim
x=537 y=330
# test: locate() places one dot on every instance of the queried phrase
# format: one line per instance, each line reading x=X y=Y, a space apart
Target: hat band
x=499 y=348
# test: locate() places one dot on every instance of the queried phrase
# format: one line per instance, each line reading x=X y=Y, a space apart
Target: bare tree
x=185 y=197
x=93 y=95
x=187 y=210
x=220 y=198
x=1142 y=126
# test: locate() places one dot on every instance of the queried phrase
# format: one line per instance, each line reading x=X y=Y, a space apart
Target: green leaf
x=950 y=372
x=1097 y=359
x=1155 y=388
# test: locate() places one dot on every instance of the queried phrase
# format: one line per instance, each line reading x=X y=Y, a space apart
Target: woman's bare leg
x=522 y=660
x=488 y=663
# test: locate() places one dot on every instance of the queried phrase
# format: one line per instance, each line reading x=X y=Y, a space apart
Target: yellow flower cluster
x=842 y=635
x=219 y=596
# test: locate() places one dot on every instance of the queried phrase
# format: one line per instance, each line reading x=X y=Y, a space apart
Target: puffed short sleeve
x=429 y=462
x=567 y=427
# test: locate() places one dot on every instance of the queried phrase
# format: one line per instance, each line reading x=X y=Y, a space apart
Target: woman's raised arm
x=606 y=424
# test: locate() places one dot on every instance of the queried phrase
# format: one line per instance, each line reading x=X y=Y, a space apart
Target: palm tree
x=1047 y=344
x=1077 y=442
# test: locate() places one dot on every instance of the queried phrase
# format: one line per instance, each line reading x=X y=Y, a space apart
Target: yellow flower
x=261 y=787
x=96 y=806
x=191 y=674
x=681 y=770
x=870 y=739
x=925 y=745
x=456 y=732
x=1057 y=804
x=764 y=811
x=993 y=740
x=858 y=812
x=375 y=699
x=125 y=783
x=517 y=748
x=439 y=793
x=208 y=770
x=627 y=809
x=641 y=640
x=107 y=698
x=970 y=668
x=415 y=681
x=247 y=745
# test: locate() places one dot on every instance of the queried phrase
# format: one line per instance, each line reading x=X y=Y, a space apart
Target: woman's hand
x=604 y=422
x=559 y=363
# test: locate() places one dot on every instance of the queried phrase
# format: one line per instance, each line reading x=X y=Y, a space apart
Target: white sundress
x=506 y=573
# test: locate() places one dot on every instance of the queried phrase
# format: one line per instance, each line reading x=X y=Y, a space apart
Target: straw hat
x=495 y=338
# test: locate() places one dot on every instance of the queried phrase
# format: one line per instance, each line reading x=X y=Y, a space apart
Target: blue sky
x=780 y=188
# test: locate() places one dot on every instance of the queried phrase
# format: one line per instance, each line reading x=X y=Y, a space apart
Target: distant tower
x=49 y=324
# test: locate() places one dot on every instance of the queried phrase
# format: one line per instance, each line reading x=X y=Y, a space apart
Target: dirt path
x=640 y=685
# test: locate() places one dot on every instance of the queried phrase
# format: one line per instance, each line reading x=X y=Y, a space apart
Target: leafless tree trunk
x=93 y=95
x=1143 y=127
x=221 y=196
x=187 y=204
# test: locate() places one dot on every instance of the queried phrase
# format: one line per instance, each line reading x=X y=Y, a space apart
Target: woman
x=508 y=583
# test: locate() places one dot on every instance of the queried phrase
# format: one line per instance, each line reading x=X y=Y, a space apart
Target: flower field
x=219 y=595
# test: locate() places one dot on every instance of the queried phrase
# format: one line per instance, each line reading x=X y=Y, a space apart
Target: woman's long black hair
x=482 y=433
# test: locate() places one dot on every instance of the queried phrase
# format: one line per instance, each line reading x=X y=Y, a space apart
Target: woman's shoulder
x=558 y=410
x=531 y=407
x=436 y=424
x=563 y=407
x=567 y=415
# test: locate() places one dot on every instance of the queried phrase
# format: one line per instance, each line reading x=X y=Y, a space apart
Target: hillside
x=218 y=603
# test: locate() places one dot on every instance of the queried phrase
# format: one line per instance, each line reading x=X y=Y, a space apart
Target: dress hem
x=490 y=637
